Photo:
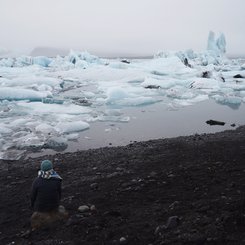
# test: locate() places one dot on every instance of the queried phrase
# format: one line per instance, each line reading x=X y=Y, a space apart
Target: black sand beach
x=195 y=182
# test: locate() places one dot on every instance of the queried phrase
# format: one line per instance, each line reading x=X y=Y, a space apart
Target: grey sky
x=137 y=27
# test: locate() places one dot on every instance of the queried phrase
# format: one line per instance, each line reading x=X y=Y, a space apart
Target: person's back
x=45 y=196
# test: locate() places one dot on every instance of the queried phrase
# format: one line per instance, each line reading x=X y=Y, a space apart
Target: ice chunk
x=7 y=62
x=41 y=61
x=188 y=54
x=45 y=128
x=43 y=87
x=30 y=80
x=23 y=61
x=5 y=130
x=61 y=63
x=221 y=43
x=89 y=94
x=232 y=101
x=116 y=93
x=56 y=143
x=20 y=134
x=179 y=102
x=118 y=65
x=29 y=142
x=217 y=46
x=73 y=136
x=19 y=122
x=180 y=92
x=81 y=64
x=70 y=127
x=75 y=57
x=120 y=96
x=165 y=54
x=164 y=66
x=22 y=94
x=162 y=83
x=26 y=61
x=39 y=108
x=206 y=83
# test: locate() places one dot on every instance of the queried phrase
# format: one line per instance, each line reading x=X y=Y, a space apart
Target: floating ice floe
x=71 y=127
x=10 y=93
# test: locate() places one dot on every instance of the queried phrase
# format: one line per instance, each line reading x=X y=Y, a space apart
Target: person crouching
x=45 y=197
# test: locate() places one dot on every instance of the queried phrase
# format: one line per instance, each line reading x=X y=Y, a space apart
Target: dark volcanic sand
x=135 y=189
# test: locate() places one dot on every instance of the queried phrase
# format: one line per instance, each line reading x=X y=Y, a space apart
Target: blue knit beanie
x=46 y=165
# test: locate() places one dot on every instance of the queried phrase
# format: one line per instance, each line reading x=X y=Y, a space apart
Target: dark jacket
x=45 y=194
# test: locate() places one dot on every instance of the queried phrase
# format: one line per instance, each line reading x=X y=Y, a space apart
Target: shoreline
x=198 y=179
x=188 y=121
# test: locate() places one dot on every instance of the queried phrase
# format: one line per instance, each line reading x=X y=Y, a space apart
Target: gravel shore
x=184 y=190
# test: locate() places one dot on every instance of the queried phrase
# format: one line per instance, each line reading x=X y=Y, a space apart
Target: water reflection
x=157 y=121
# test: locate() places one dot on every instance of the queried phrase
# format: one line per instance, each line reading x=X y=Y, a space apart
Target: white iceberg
x=71 y=127
x=30 y=81
x=45 y=128
x=41 y=61
x=75 y=57
x=128 y=97
x=217 y=46
x=7 y=93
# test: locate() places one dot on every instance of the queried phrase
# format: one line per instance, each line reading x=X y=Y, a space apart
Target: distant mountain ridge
x=48 y=51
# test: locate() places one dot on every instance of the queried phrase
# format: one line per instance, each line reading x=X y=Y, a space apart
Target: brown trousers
x=43 y=219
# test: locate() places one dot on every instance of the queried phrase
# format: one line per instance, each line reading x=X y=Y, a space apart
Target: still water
x=154 y=122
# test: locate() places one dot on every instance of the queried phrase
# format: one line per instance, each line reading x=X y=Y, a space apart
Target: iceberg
x=56 y=143
x=164 y=83
x=29 y=142
x=61 y=63
x=215 y=53
x=7 y=93
x=77 y=57
x=44 y=128
x=217 y=46
x=23 y=61
x=72 y=136
x=30 y=81
x=128 y=97
x=7 y=62
x=39 y=108
x=228 y=100
x=41 y=61
x=71 y=127
x=164 y=66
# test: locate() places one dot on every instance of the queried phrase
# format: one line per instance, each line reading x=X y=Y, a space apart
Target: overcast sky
x=136 y=27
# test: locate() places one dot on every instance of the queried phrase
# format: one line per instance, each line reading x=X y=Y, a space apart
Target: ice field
x=45 y=103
